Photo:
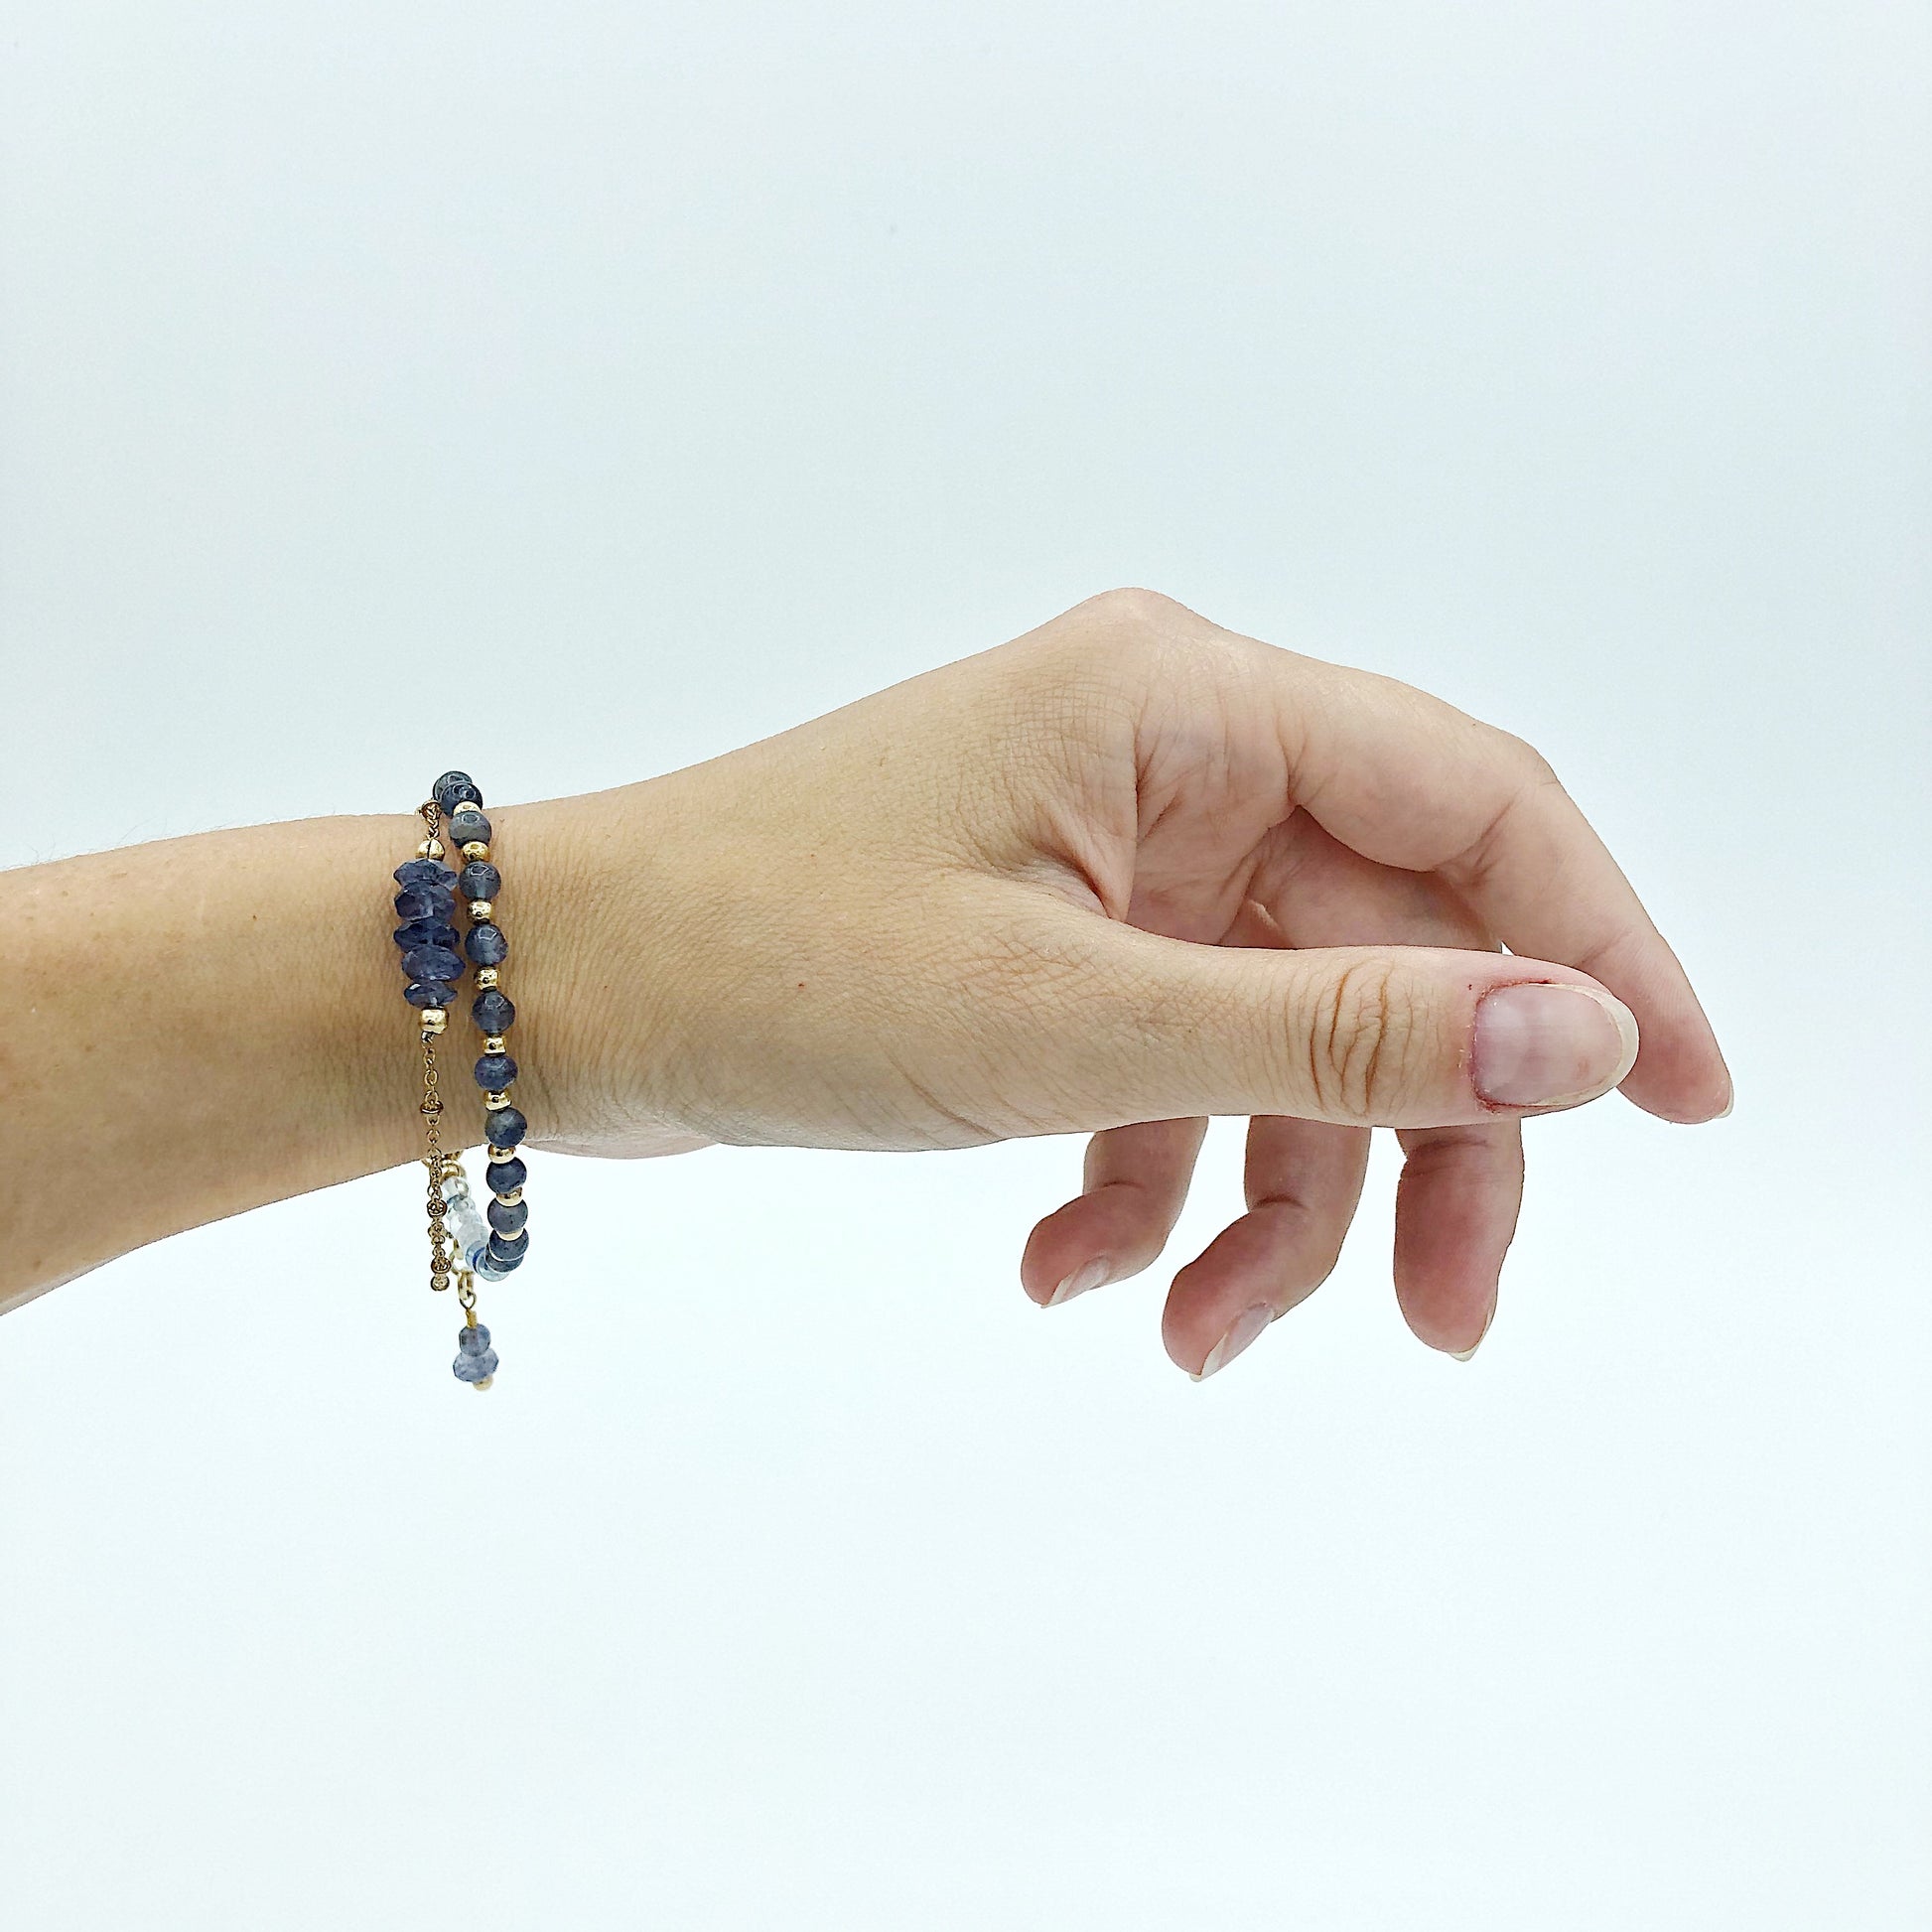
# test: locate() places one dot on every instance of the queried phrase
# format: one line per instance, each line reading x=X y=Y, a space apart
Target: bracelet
x=462 y=1244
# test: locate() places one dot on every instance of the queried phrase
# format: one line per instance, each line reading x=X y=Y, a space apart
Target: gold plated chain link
x=442 y=1244
x=444 y=1259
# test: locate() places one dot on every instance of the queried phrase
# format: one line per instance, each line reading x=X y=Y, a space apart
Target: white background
x=572 y=392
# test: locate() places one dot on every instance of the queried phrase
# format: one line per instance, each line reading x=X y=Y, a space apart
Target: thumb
x=1393 y=1037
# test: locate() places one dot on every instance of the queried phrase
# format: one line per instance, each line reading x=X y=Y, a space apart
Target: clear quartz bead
x=464 y=1220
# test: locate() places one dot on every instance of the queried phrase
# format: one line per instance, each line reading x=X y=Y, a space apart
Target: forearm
x=197 y=1027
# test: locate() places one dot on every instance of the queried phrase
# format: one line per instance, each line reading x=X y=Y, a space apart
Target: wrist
x=588 y=899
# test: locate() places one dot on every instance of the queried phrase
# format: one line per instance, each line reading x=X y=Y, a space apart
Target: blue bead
x=425 y=932
x=453 y=788
x=473 y=1341
x=432 y=963
x=494 y=1013
x=509 y=1216
x=486 y=945
x=505 y=1127
x=430 y=993
x=475 y=1368
x=495 y=1071
x=423 y=872
x=505 y=1177
x=509 y=1250
x=425 y=902
x=480 y=879
x=468 y=825
x=486 y=1270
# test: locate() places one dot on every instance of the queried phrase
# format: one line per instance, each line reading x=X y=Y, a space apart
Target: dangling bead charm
x=475 y=1361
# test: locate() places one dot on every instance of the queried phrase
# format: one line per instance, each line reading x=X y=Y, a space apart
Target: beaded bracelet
x=460 y=1243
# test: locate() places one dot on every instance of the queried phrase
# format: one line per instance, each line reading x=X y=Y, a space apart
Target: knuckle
x=1360 y=1040
x=1149 y=640
x=1527 y=761
x=1133 y=607
x=1160 y=642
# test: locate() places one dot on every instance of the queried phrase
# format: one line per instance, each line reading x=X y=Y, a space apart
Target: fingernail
x=1077 y=1282
x=1241 y=1331
x=1463 y=1354
x=1544 y=1045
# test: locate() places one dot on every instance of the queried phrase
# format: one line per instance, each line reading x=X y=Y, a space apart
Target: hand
x=1124 y=873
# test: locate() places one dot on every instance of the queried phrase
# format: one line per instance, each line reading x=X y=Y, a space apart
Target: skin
x=1124 y=873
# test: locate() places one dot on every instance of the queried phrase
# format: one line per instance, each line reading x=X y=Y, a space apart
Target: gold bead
x=434 y=1019
x=482 y=909
x=431 y=848
x=488 y=1382
x=474 y=849
x=502 y=1154
x=510 y=1200
x=492 y=1043
x=486 y=975
x=496 y=1101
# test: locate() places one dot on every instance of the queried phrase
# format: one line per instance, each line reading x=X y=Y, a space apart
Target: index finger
x=1410 y=781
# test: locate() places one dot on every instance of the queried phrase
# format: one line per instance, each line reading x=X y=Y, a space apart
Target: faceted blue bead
x=432 y=963
x=506 y=1127
x=475 y=1368
x=425 y=932
x=495 y=1071
x=473 y=1341
x=508 y=1247
x=486 y=945
x=426 y=902
x=480 y=879
x=494 y=1013
x=509 y=1216
x=469 y=824
x=430 y=993
x=453 y=788
x=486 y=1270
x=505 y=1177
x=423 y=872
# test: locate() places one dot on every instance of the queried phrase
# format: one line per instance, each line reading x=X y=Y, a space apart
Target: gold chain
x=444 y=1259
